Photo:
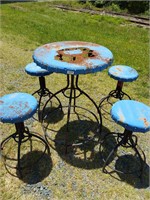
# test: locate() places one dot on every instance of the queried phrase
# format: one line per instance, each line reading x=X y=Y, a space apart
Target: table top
x=73 y=57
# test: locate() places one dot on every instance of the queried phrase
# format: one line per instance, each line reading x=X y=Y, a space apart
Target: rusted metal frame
x=108 y=157
x=18 y=137
x=72 y=85
x=126 y=137
x=142 y=161
x=72 y=88
x=117 y=93
x=43 y=91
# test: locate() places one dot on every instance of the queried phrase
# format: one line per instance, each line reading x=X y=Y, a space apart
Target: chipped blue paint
x=132 y=115
x=45 y=57
x=17 y=107
x=34 y=70
x=123 y=73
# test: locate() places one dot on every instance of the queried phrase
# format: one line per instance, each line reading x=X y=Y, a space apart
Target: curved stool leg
x=74 y=93
x=139 y=155
x=21 y=135
x=111 y=153
x=109 y=156
x=125 y=140
x=103 y=99
x=117 y=94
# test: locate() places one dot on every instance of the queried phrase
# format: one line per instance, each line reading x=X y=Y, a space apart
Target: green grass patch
x=30 y=25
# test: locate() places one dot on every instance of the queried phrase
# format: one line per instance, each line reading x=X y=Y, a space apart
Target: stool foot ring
x=117 y=94
x=126 y=141
x=20 y=137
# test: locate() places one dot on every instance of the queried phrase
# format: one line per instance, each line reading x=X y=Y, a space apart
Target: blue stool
x=134 y=117
x=34 y=70
x=122 y=74
x=15 y=108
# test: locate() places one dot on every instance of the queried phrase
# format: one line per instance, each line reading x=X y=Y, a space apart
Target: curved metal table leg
x=72 y=86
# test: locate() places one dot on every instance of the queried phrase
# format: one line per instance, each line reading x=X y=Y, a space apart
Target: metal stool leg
x=125 y=140
x=21 y=135
x=117 y=93
x=140 y=157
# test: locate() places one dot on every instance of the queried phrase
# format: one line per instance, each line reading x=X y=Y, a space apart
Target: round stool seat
x=123 y=73
x=132 y=115
x=34 y=70
x=17 y=107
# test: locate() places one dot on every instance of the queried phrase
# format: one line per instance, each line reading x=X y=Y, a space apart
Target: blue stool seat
x=132 y=115
x=34 y=70
x=17 y=107
x=123 y=73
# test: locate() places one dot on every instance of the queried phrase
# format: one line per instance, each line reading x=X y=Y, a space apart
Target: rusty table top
x=73 y=57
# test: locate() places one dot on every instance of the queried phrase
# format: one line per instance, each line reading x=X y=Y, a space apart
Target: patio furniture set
x=74 y=58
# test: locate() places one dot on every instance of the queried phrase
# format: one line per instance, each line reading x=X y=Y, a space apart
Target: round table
x=73 y=58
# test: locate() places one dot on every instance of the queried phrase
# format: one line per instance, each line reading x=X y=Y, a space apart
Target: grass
x=24 y=27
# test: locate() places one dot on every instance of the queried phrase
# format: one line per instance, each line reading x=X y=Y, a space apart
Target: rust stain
x=51 y=46
x=82 y=58
x=119 y=69
x=11 y=106
x=107 y=60
x=146 y=123
x=80 y=43
x=20 y=107
x=121 y=116
x=47 y=46
x=76 y=58
x=58 y=45
x=26 y=105
x=29 y=111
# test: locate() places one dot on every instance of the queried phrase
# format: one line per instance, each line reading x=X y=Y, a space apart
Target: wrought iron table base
x=72 y=86
x=126 y=140
x=21 y=135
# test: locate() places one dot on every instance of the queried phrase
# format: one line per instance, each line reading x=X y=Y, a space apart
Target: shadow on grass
x=129 y=161
x=37 y=171
x=106 y=146
x=52 y=115
x=82 y=154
